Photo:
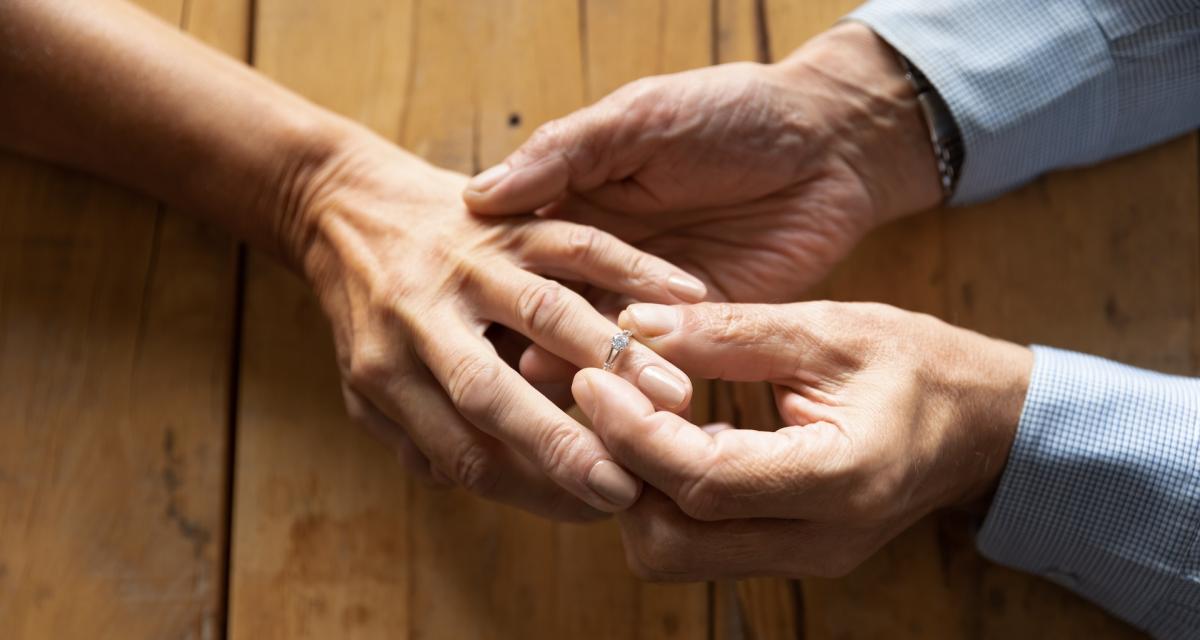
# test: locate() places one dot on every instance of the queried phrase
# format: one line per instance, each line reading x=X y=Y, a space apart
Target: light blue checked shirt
x=1102 y=488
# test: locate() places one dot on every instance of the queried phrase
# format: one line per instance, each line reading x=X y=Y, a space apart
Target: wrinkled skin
x=757 y=178
x=890 y=415
x=411 y=282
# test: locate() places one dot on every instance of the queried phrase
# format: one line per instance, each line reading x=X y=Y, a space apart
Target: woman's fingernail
x=687 y=288
x=614 y=484
x=652 y=320
x=662 y=387
x=488 y=179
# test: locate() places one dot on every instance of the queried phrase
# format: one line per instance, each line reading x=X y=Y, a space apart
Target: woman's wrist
x=333 y=168
x=871 y=116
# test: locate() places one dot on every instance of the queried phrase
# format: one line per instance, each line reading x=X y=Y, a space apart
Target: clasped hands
x=740 y=183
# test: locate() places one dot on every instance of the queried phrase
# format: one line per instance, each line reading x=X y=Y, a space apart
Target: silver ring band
x=616 y=345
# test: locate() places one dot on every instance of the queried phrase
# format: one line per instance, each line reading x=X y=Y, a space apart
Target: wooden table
x=174 y=457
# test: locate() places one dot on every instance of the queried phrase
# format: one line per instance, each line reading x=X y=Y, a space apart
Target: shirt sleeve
x=1101 y=492
x=1036 y=85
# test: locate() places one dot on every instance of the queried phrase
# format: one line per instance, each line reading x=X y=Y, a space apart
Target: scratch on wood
x=583 y=50
x=763 y=29
x=714 y=32
x=411 y=79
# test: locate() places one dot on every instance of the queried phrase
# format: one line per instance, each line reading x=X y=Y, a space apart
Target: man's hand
x=411 y=281
x=891 y=415
x=757 y=178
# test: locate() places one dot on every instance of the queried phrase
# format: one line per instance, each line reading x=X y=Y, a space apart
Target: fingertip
x=618 y=396
x=687 y=287
x=477 y=193
x=538 y=365
x=648 y=321
x=670 y=391
x=581 y=389
x=625 y=320
x=614 y=484
x=488 y=178
x=517 y=189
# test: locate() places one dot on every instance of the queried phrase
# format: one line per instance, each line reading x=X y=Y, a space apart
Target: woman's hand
x=408 y=278
x=410 y=281
x=891 y=415
x=757 y=178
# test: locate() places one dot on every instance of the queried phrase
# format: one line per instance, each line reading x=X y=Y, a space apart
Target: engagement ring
x=615 y=346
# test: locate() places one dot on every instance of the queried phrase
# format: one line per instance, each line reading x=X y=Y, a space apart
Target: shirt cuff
x=1101 y=492
x=1030 y=83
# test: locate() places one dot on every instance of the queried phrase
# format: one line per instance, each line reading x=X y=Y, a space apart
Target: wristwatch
x=943 y=130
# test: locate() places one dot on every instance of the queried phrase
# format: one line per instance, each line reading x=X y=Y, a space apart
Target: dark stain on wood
x=967 y=292
x=355 y=616
x=193 y=532
x=1114 y=314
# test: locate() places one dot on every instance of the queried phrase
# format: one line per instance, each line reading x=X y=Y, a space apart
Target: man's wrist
x=875 y=119
x=988 y=384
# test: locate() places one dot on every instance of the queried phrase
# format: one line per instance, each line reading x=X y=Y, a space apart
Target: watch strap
x=944 y=133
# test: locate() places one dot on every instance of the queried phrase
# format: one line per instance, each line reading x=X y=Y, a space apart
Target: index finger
x=498 y=401
x=565 y=324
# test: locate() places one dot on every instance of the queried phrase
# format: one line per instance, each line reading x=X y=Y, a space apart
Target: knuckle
x=642 y=93
x=471 y=385
x=369 y=367
x=548 y=137
x=558 y=449
x=648 y=100
x=721 y=321
x=475 y=469
x=540 y=306
x=703 y=499
x=584 y=243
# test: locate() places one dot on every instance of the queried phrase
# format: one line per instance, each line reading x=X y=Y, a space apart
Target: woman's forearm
x=104 y=87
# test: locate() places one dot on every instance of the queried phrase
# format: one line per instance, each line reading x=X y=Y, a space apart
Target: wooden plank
x=768 y=608
x=900 y=592
x=461 y=84
x=115 y=340
x=625 y=40
x=1103 y=261
x=1001 y=269
x=480 y=569
x=319 y=543
x=741 y=32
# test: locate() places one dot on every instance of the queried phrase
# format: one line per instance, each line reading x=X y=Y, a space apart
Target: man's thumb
x=539 y=172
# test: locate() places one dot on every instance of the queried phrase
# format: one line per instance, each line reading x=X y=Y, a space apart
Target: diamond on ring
x=616 y=345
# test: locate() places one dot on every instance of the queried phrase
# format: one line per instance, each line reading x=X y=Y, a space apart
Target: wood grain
x=1100 y=260
x=320 y=544
x=117 y=348
x=461 y=84
x=901 y=591
x=115 y=335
